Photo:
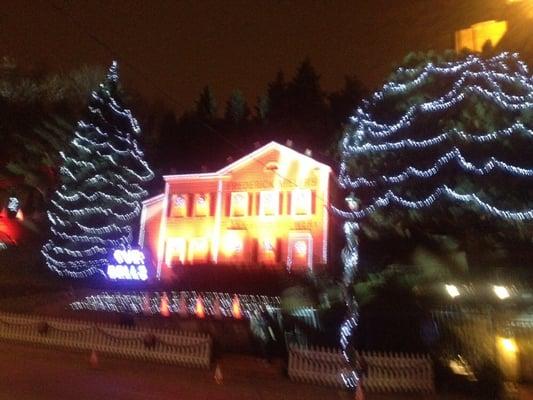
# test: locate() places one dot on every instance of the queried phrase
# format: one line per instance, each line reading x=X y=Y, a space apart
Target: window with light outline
x=201 y=205
x=175 y=251
x=301 y=202
x=198 y=249
x=178 y=207
x=268 y=250
x=239 y=204
x=269 y=203
x=233 y=244
x=300 y=250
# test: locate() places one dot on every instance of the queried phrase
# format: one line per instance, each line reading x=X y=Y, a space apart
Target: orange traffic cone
x=219 y=378
x=93 y=360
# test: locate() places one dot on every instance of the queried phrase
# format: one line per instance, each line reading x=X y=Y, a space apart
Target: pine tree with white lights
x=95 y=209
x=443 y=147
x=448 y=143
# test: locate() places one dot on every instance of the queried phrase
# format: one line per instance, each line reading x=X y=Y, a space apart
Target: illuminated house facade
x=267 y=209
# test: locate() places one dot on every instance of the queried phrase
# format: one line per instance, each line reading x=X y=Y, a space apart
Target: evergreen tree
x=298 y=109
x=443 y=149
x=237 y=110
x=343 y=102
x=36 y=169
x=37 y=111
x=206 y=106
x=262 y=108
x=277 y=98
x=306 y=98
x=99 y=201
x=169 y=140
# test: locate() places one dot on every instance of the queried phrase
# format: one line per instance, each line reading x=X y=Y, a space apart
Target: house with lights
x=268 y=209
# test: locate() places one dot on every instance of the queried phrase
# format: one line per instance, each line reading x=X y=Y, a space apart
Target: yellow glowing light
x=301 y=202
x=452 y=290
x=479 y=35
x=199 y=309
x=269 y=202
x=178 y=206
x=236 y=308
x=508 y=344
x=200 y=245
x=501 y=292
x=201 y=205
x=199 y=250
x=239 y=204
x=232 y=243
x=175 y=250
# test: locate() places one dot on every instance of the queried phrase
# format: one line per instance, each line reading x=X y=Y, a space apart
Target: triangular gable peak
x=272 y=156
x=275 y=149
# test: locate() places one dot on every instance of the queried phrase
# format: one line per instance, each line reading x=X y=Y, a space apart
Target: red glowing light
x=164 y=309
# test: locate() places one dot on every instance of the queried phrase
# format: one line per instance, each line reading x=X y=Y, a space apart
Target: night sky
x=169 y=50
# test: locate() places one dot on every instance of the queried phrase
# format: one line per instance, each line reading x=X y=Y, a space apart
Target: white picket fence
x=398 y=372
x=320 y=365
x=385 y=372
x=165 y=346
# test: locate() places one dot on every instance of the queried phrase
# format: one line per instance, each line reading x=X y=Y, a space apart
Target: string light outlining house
x=268 y=209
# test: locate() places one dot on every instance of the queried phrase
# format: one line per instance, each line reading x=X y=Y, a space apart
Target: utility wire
x=115 y=54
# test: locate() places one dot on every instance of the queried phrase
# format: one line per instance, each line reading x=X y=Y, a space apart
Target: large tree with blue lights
x=102 y=176
x=444 y=147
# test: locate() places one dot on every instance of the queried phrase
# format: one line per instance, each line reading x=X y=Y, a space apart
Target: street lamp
x=452 y=290
x=501 y=292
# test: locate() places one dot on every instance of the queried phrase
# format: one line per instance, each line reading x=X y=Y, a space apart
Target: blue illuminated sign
x=127 y=265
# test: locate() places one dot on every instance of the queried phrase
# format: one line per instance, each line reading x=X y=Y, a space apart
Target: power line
x=115 y=54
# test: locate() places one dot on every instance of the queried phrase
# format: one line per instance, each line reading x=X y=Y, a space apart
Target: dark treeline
x=212 y=133
x=39 y=110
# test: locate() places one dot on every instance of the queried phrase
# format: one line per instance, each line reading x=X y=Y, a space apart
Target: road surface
x=36 y=373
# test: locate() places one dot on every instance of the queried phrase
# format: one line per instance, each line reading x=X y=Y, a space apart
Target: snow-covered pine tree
x=102 y=177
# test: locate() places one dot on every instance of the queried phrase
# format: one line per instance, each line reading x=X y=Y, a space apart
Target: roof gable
x=272 y=146
x=254 y=156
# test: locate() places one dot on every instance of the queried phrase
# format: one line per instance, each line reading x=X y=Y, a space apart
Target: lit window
x=269 y=203
x=239 y=204
x=175 y=252
x=268 y=249
x=301 y=202
x=198 y=249
x=178 y=207
x=300 y=252
x=201 y=205
x=233 y=244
